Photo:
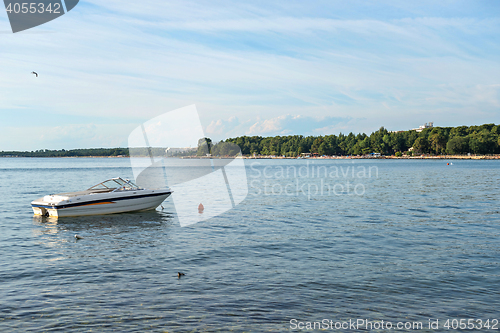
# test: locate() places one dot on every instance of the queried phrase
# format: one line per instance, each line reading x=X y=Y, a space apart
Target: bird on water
x=78 y=237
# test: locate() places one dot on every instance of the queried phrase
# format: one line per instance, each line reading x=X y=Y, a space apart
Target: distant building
x=175 y=151
x=424 y=126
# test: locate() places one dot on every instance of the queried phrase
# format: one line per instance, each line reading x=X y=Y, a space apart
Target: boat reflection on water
x=109 y=241
x=104 y=224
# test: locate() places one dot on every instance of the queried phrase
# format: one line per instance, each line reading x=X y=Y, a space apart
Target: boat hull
x=101 y=206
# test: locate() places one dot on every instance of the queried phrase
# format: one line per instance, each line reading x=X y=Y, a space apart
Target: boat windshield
x=115 y=184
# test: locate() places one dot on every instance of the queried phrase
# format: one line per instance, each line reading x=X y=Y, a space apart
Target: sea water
x=325 y=241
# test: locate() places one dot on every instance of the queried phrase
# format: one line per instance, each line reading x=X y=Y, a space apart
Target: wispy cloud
x=394 y=64
x=281 y=125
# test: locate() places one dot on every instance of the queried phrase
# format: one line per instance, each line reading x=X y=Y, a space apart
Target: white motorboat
x=112 y=196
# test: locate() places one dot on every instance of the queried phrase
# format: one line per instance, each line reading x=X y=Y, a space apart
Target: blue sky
x=251 y=68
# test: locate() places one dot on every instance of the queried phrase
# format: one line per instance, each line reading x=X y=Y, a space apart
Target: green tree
x=437 y=140
x=316 y=144
x=483 y=142
x=457 y=145
x=204 y=146
x=324 y=149
x=421 y=145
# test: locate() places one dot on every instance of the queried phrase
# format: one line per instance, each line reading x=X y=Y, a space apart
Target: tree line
x=68 y=153
x=484 y=139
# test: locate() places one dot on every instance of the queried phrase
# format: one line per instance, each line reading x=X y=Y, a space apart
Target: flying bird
x=36 y=74
x=179 y=274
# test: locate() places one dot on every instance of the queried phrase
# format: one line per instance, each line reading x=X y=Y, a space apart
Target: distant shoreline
x=442 y=157
x=388 y=157
x=10 y=156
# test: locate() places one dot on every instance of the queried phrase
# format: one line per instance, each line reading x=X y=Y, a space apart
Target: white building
x=424 y=126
